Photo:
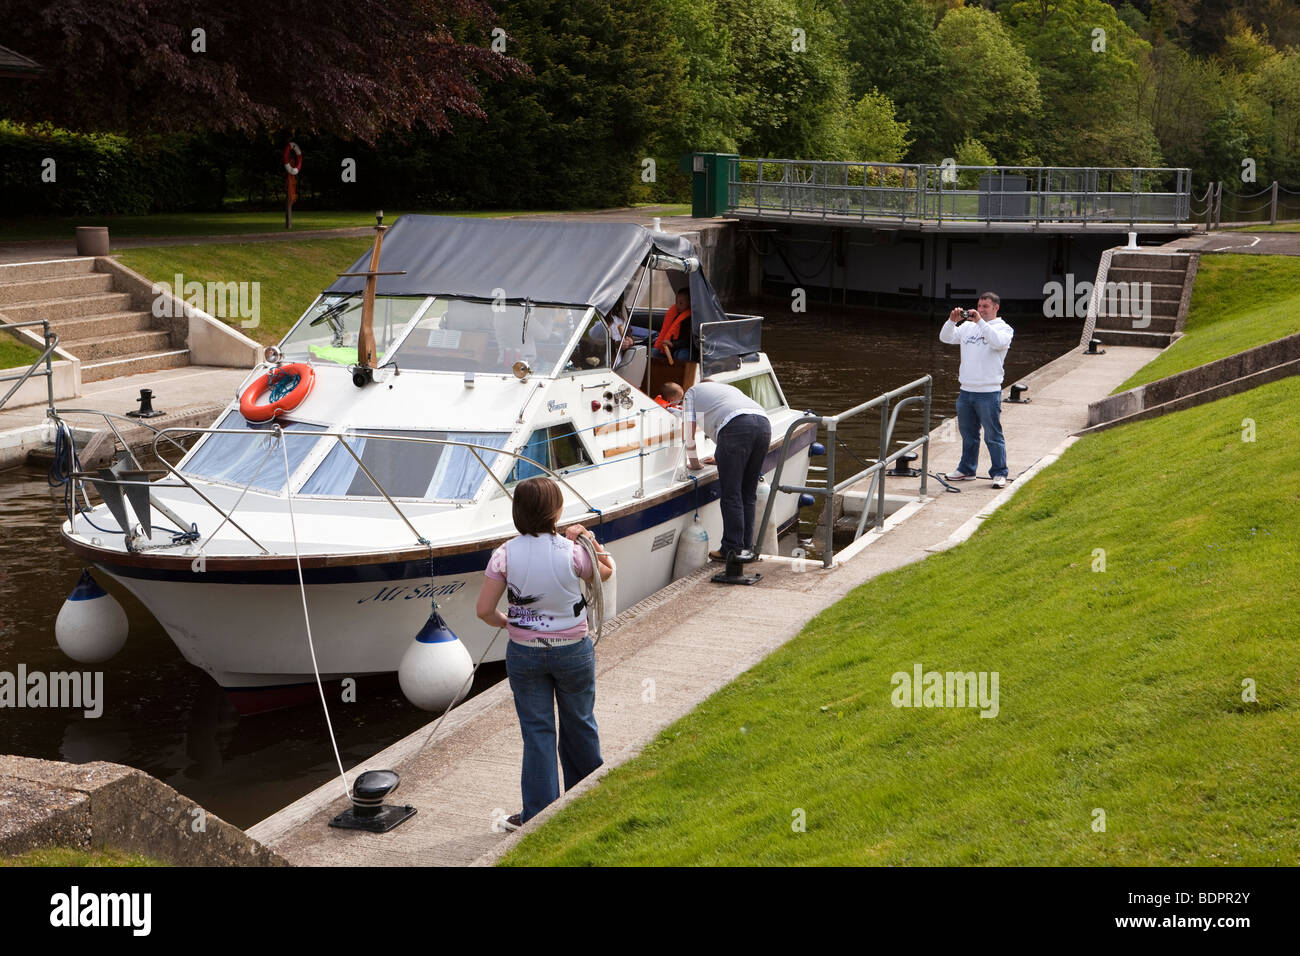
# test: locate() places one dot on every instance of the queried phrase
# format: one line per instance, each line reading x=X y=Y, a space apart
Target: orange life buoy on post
x=296 y=151
x=289 y=385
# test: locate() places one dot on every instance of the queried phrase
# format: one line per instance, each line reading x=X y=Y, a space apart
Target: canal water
x=168 y=718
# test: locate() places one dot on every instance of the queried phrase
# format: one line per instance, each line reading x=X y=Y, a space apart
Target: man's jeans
x=741 y=447
x=976 y=410
x=542 y=679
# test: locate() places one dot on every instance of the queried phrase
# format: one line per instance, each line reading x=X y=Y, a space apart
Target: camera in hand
x=969 y=315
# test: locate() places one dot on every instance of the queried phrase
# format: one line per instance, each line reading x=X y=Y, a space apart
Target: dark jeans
x=741 y=447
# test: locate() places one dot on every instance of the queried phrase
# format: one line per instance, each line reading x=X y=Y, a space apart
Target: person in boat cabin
x=742 y=434
x=674 y=341
x=550 y=660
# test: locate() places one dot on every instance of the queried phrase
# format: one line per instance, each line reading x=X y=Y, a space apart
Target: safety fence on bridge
x=804 y=189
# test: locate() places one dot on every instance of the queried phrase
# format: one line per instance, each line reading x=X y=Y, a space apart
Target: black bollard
x=369 y=812
x=146 y=409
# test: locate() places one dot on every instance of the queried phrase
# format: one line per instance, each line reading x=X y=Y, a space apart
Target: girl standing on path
x=550 y=660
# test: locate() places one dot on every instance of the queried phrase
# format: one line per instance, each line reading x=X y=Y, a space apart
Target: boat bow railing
x=888 y=418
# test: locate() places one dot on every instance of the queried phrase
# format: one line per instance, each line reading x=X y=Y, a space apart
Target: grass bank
x=62 y=856
x=1276 y=227
x=1120 y=695
x=15 y=354
x=290 y=274
x=1238 y=302
x=238 y=223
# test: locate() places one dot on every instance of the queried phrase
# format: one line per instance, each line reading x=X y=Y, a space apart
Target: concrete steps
x=134 y=365
x=57 y=287
x=105 y=328
x=101 y=326
x=116 y=346
x=62 y=308
x=1150 y=289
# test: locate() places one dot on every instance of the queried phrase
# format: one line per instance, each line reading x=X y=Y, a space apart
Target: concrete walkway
x=179 y=392
x=661 y=658
x=1250 y=243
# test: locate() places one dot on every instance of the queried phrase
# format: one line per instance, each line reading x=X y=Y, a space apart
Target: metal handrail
x=51 y=343
x=822 y=188
x=832 y=487
x=339 y=437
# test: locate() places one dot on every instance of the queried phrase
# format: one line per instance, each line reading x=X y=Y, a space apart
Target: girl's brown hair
x=537 y=504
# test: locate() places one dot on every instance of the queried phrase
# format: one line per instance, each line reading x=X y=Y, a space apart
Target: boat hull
x=242 y=621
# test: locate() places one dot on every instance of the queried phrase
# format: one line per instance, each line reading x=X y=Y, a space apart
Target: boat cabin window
x=254 y=457
x=557 y=447
x=406 y=469
x=461 y=335
x=328 y=332
x=762 y=389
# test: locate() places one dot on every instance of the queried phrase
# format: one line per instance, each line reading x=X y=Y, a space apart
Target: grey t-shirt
x=712 y=404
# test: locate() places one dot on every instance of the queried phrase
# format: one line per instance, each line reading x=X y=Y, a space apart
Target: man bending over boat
x=742 y=433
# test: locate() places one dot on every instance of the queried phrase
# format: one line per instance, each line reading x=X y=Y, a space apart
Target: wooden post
x=366 y=337
x=1272 y=208
x=366 y=351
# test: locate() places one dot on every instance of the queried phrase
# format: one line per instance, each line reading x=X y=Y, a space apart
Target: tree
x=605 y=84
x=354 y=69
x=791 y=80
x=1278 y=87
x=994 y=92
x=874 y=134
x=1087 y=62
x=892 y=47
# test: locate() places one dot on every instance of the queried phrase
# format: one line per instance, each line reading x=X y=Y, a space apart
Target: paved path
x=689 y=640
x=1251 y=243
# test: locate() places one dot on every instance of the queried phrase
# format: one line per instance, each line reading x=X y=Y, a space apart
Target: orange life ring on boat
x=289 y=386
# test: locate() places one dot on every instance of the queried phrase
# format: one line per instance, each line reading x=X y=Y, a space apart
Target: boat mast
x=366 y=357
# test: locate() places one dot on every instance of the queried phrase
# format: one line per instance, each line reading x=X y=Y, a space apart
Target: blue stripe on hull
x=607 y=532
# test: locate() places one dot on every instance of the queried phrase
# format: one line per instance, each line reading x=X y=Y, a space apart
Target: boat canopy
x=542 y=260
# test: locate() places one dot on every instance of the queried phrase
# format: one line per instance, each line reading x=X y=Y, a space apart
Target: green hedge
x=103 y=173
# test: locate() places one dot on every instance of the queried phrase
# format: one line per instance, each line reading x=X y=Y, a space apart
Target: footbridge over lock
x=920 y=238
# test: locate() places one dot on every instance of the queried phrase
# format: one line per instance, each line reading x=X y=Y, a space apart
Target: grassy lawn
x=1238 y=302
x=291 y=274
x=60 y=856
x=15 y=354
x=1120 y=690
x=1280 y=227
x=234 y=223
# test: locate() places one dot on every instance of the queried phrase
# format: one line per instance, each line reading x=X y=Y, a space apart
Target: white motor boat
x=386 y=484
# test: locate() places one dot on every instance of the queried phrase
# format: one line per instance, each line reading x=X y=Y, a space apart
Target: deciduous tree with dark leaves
x=354 y=69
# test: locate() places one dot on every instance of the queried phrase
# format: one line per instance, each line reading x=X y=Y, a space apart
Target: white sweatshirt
x=983 y=349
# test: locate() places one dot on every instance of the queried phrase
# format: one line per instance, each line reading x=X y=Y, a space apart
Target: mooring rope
x=302 y=588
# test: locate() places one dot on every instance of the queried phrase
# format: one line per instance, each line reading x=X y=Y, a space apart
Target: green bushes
x=49 y=171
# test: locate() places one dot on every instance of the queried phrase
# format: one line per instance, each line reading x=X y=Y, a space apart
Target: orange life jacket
x=672 y=323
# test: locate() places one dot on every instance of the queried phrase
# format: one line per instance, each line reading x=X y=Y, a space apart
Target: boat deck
x=688 y=640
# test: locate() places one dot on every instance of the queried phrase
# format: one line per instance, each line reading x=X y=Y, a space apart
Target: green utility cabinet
x=708 y=182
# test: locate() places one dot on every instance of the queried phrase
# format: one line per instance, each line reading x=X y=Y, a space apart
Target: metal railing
x=100 y=479
x=874 y=471
x=988 y=194
x=51 y=343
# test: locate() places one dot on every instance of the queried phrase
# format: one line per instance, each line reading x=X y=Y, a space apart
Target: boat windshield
x=328 y=332
x=253 y=458
x=406 y=469
x=462 y=335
